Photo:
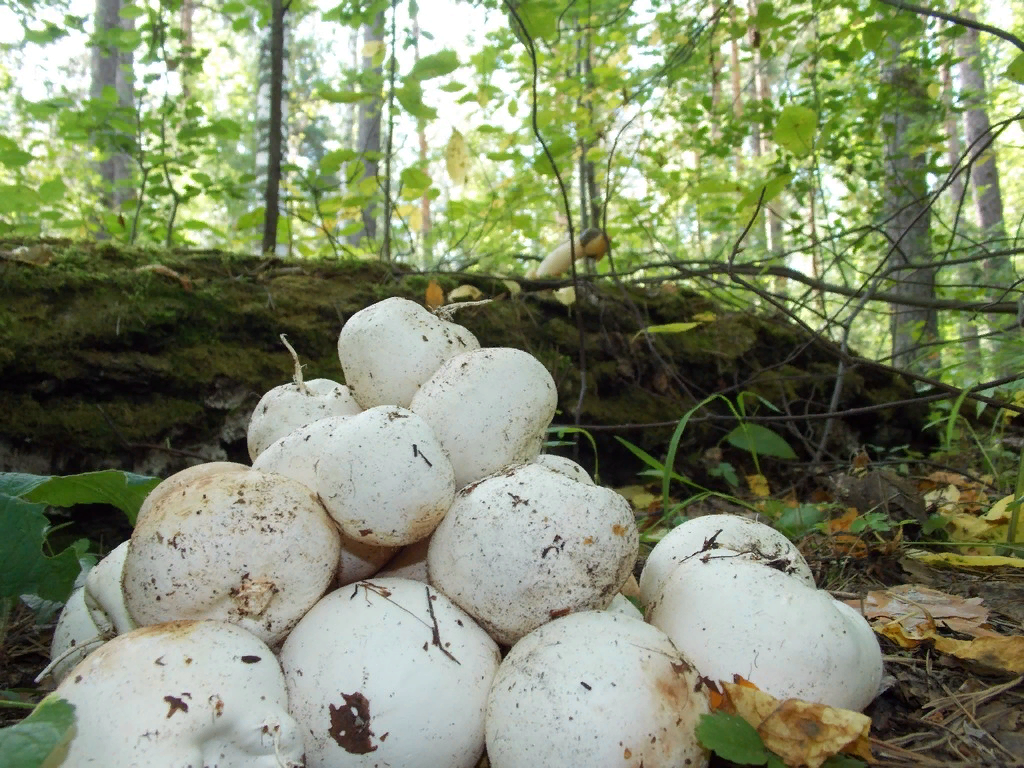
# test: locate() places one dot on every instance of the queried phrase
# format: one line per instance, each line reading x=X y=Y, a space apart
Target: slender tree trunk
x=422 y=135
x=908 y=221
x=715 y=65
x=969 y=273
x=275 y=128
x=988 y=199
x=368 y=130
x=737 y=90
x=112 y=68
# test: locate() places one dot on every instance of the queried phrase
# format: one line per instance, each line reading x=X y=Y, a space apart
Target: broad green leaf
x=26 y=570
x=410 y=96
x=452 y=86
x=44 y=36
x=667 y=328
x=414 y=177
x=539 y=19
x=732 y=737
x=456 y=158
x=796 y=522
x=772 y=187
x=51 y=191
x=131 y=12
x=124 y=490
x=41 y=739
x=12 y=155
x=252 y=219
x=342 y=97
x=760 y=441
x=1016 y=69
x=795 y=129
x=873 y=35
x=435 y=65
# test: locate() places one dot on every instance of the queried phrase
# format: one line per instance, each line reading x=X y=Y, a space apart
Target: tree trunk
x=112 y=68
x=368 y=128
x=907 y=226
x=988 y=199
x=421 y=130
x=275 y=133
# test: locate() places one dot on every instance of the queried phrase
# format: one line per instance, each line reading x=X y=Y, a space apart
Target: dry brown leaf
x=915 y=607
x=1002 y=654
x=800 y=732
x=435 y=295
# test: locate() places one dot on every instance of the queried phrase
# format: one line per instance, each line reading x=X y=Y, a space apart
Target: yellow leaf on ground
x=759 y=485
x=800 y=732
x=566 y=296
x=470 y=292
x=966 y=561
x=638 y=496
x=1004 y=654
x=435 y=295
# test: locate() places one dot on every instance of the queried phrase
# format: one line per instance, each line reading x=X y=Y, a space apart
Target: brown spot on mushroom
x=559 y=613
x=250 y=659
x=350 y=724
x=619 y=530
x=176 y=704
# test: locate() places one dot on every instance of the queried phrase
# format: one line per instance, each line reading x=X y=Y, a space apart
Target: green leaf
x=760 y=441
x=342 y=97
x=12 y=155
x=51 y=191
x=452 y=86
x=873 y=35
x=26 y=570
x=410 y=96
x=435 y=65
x=667 y=328
x=1016 y=69
x=124 y=490
x=131 y=12
x=772 y=187
x=795 y=129
x=732 y=737
x=795 y=522
x=48 y=34
x=42 y=738
x=415 y=178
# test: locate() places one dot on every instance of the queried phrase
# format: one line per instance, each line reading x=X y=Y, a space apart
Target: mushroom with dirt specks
x=290 y=406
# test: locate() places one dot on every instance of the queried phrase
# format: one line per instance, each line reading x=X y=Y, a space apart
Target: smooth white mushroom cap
x=253 y=548
x=198 y=693
x=388 y=349
x=527 y=545
x=384 y=477
x=489 y=408
x=567 y=467
x=389 y=672
x=76 y=635
x=296 y=454
x=595 y=689
x=103 y=595
x=733 y=616
x=184 y=478
x=718 y=536
x=289 y=406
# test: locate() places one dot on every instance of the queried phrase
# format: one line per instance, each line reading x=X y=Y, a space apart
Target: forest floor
x=935 y=709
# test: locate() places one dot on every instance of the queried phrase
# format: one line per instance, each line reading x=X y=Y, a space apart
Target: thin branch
x=952 y=17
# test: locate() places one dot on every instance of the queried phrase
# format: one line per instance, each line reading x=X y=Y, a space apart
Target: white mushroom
x=183 y=479
x=734 y=616
x=388 y=349
x=384 y=477
x=253 y=548
x=103 y=595
x=489 y=408
x=595 y=689
x=290 y=406
x=527 y=545
x=389 y=672
x=720 y=536
x=199 y=693
x=567 y=467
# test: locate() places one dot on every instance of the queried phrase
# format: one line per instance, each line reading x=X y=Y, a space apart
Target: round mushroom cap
x=287 y=407
x=595 y=689
x=718 y=536
x=389 y=672
x=182 y=693
x=567 y=467
x=734 y=616
x=388 y=349
x=529 y=544
x=253 y=548
x=489 y=408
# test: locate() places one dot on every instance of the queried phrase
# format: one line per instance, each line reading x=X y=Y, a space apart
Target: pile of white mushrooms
x=345 y=600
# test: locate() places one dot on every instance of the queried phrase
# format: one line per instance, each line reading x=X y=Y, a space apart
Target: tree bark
x=906 y=204
x=368 y=127
x=275 y=133
x=112 y=68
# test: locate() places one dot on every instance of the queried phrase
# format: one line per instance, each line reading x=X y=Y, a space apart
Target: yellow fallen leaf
x=801 y=732
x=758 y=485
x=1005 y=654
x=566 y=296
x=514 y=288
x=434 y=295
x=470 y=292
x=456 y=158
x=966 y=561
x=638 y=496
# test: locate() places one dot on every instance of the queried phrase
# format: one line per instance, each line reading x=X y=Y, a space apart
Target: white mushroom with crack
x=734 y=616
x=253 y=548
x=720 y=536
x=199 y=693
x=489 y=408
x=595 y=689
x=388 y=349
x=527 y=545
x=389 y=672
